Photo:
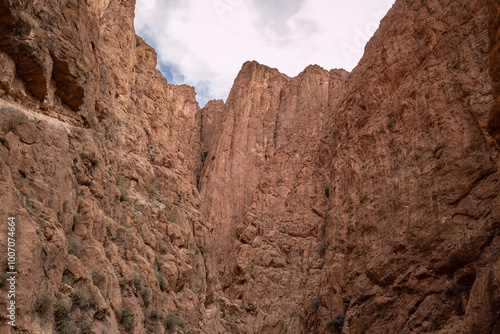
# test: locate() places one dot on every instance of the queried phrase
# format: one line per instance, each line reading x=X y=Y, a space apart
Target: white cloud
x=204 y=43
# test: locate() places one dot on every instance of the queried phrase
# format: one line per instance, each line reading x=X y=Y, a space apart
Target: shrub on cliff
x=126 y=318
x=63 y=325
x=80 y=298
x=16 y=120
x=97 y=278
x=171 y=321
x=315 y=303
x=85 y=328
x=44 y=304
x=75 y=246
x=336 y=323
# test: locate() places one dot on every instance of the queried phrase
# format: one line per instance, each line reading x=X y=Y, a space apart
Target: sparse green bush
x=67 y=278
x=98 y=278
x=123 y=281
x=171 y=216
x=336 y=323
x=327 y=192
x=85 y=328
x=61 y=313
x=161 y=281
x=171 y=321
x=69 y=327
x=80 y=298
x=154 y=316
x=44 y=304
x=315 y=304
x=145 y=294
x=138 y=282
x=16 y=120
x=120 y=180
x=127 y=318
x=75 y=246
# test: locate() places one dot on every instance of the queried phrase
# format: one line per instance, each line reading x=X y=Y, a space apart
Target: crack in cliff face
x=366 y=201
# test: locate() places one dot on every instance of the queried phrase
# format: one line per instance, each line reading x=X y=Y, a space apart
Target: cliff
x=331 y=202
x=99 y=166
x=414 y=176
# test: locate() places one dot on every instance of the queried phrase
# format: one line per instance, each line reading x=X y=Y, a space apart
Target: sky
x=204 y=43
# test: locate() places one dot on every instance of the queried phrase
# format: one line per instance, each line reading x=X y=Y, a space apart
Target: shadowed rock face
x=494 y=32
x=371 y=194
x=414 y=176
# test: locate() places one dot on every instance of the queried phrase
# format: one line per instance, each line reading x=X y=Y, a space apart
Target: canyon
x=331 y=202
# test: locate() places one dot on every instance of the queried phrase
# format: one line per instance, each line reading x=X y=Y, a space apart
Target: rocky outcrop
x=98 y=163
x=212 y=115
x=397 y=227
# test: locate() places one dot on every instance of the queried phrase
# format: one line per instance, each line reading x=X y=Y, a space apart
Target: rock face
x=263 y=184
x=98 y=163
x=414 y=207
x=397 y=226
x=362 y=202
x=494 y=32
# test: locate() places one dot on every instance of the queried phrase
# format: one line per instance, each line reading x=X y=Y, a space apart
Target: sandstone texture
x=331 y=202
x=414 y=207
x=263 y=184
x=397 y=227
x=99 y=165
x=494 y=33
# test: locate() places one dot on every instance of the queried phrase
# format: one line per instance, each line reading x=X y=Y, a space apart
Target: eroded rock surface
x=494 y=32
x=99 y=159
x=414 y=176
x=363 y=201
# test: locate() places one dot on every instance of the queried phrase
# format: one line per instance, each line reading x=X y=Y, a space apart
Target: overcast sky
x=203 y=43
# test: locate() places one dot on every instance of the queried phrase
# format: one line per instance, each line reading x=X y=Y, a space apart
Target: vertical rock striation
x=263 y=184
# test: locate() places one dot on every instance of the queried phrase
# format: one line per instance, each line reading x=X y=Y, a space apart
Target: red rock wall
x=412 y=216
x=372 y=194
x=414 y=176
x=263 y=183
x=494 y=32
x=99 y=157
